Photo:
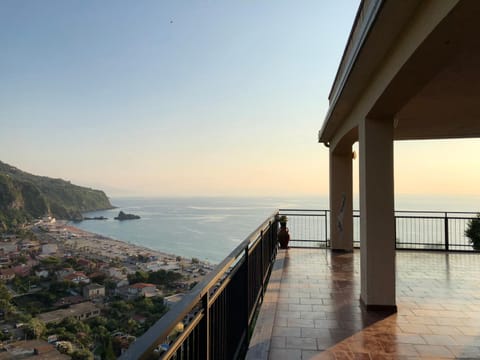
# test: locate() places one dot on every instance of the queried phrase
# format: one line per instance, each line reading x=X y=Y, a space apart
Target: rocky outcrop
x=124 y=216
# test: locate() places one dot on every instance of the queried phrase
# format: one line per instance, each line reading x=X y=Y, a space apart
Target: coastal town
x=69 y=294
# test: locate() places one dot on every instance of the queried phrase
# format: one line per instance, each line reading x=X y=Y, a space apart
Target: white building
x=48 y=249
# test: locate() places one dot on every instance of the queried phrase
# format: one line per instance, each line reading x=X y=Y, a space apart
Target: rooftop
x=74 y=310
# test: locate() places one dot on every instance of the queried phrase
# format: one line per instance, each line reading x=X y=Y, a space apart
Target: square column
x=377 y=219
x=341 y=213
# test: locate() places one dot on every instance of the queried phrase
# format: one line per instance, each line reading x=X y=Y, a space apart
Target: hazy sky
x=187 y=97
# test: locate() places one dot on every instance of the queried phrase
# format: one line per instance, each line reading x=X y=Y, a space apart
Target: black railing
x=218 y=313
x=308 y=228
x=415 y=230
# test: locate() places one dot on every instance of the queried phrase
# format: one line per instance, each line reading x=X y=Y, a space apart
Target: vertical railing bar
x=247 y=302
x=395 y=230
x=224 y=326
x=262 y=240
x=446 y=232
x=205 y=333
x=327 y=244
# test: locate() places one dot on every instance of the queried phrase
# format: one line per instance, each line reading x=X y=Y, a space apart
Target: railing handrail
x=160 y=330
x=396 y=211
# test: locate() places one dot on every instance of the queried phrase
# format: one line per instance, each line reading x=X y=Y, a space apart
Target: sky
x=190 y=98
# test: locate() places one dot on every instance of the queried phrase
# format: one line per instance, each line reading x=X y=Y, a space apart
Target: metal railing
x=415 y=230
x=219 y=312
x=308 y=228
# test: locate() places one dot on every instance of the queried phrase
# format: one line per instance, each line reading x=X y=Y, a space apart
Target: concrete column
x=341 y=217
x=377 y=222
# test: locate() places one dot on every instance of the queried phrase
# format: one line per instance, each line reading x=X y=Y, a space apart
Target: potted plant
x=473 y=232
x=283 y=236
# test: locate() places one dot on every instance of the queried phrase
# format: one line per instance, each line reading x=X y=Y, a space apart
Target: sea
x=209 y=228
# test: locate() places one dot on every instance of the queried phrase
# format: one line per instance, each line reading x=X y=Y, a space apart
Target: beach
x=77 y=242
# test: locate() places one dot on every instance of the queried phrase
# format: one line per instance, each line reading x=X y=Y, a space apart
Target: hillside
x=24 y=196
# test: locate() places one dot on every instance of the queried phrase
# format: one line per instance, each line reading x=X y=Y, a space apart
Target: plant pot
x=283 y=237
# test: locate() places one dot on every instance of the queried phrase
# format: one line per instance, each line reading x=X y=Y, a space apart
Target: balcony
x=303 y=303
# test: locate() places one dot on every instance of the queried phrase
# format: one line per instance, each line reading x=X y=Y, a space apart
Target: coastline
x=108 y=249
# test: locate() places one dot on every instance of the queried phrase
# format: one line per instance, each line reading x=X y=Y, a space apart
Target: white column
x=341 y=218
x=377 y=222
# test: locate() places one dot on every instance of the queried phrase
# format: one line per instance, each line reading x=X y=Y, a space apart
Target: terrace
x=303 y=303
x=311 y=309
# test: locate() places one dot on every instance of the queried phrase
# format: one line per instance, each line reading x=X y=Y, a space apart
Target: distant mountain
x=24 y=196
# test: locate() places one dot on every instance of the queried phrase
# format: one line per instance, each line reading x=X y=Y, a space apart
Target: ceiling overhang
x=435 y=93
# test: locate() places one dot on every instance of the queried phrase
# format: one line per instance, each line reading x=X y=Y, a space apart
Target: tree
x=62 y=288
x=132 y=325
x=473 y=232
x=5 y=301
x=75 y=326
x=98 y=278
x=4 y=293
x=109 y=354
x=120 y=309
x=35 y=328
x=65 y=347
x=21 y=317
x=52 y=263
x=163 y=277
x=82 y=354
x=21 y=259
x=110 y=284
x=138 y=277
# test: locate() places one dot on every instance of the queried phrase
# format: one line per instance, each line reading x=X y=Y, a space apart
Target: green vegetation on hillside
x=24 y=196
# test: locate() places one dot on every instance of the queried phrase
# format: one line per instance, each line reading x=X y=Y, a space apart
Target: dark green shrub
x=473 y=232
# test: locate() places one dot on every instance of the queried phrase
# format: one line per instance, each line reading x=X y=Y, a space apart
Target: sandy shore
x=102 y=247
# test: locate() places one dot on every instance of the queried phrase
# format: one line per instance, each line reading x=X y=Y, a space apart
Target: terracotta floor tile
x=466 y=340
x=414 y=329
x=366 y=346
x=469 y=330
x=381 y=356
x=319 y=314
x=409 y=339
x=463 y=352
x=315 y=333
x=361 y=356
x=343 y=355
x=301 y=343
x=285 y=331
x=289 y=300
x=446 y=330
x=317 y=355
x=314 y=315
x=277 y=342
x=434 y=351
x=285 y=354
x=439 y=340
x=327 y=324
x=312 y=301
x=287 y=314
x=304 y=323
x=299 y=307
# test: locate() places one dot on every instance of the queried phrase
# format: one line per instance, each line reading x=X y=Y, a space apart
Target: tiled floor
x=318 y=313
